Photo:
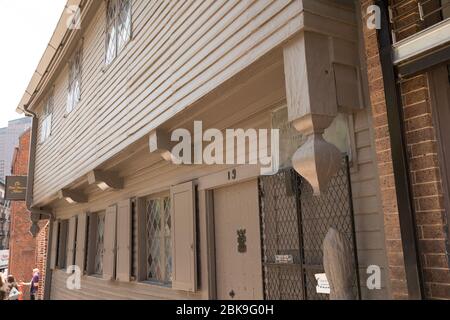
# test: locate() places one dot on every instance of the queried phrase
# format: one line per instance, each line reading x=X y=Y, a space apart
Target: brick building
x=418 y=104
x=26 y=252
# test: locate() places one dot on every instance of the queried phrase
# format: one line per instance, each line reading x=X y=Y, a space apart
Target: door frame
x=206 y=186
x=440 y=103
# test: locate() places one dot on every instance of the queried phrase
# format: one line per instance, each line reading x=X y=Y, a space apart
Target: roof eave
x=52 y=48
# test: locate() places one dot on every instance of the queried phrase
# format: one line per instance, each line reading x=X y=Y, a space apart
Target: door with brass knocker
x=237 y=242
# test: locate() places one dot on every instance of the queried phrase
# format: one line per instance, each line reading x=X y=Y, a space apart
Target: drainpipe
x=394 y=106
x=37 y=214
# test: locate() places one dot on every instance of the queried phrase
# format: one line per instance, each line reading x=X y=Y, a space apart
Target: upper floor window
x=46 y=128
x=74 y=87
x=118 y=31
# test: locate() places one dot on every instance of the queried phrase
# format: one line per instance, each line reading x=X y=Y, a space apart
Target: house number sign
x=232 y=175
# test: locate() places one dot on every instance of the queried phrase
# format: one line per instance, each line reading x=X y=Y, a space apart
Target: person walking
x=3 y=288
x=34 y=284
x=13 y=289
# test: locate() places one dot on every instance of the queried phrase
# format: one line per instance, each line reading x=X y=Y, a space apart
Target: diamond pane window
x=46 y=126
x=118 y=31
x=98 y=267
x=159 y=247
x=74 y=89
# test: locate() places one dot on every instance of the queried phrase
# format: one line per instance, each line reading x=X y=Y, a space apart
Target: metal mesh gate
x=294 y=223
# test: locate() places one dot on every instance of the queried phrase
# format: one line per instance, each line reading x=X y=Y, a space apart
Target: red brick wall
x=24 y=249
x=426 y=186
x=397 y=278
x=41 y=255
x=424 y=168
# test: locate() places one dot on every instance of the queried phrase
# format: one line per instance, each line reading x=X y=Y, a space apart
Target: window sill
x=67 y=115
x=46 y=141
x=95 y=276
x=421 y=42
x=156 y=284
x=125 y=51
x=148 y=284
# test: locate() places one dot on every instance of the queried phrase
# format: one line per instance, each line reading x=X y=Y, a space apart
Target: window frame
x=143 y=255
x=113 y=23
x=92 y=247
x=75 y=74
x=99 y=254
x=47 y=119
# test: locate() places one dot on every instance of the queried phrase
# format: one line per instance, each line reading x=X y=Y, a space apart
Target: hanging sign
x=16 y=188
x=4 y=259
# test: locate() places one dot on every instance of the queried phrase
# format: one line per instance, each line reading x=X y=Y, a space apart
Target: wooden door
x=238 y=242
x=440 y=96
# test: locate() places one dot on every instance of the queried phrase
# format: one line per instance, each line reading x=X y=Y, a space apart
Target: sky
x=26 y=27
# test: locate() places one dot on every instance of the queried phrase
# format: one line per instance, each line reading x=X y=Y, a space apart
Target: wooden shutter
x=62 y=244
x=54 y=248
x=184 y=259
x=124 y=241
x=81 y=242
x=72 y=232
x=92 y=242
x=141 y=240
x=109 y=255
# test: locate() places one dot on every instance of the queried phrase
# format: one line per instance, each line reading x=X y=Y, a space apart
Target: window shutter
x=92 y=244
x=124 y=241
x=71 y=241
x=62 y=246
x=54 y=248
x=81 y=242
x=109 y=255
x=184 y=258
x=141 y=240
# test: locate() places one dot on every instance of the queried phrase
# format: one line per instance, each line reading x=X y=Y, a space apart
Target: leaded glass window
x=159 y=245
x=99 y=246
x=74 y=88
x=119 y=25
x=47 y=114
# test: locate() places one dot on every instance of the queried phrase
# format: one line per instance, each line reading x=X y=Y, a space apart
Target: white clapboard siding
x=71 y=238
x=180 y=51
x=109 y=255
x=367 y=207
x=80 y=256
x=184 y=247
x=94 y=288
x=124 y=227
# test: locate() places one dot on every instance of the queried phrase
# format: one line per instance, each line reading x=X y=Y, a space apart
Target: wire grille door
x=294 y=223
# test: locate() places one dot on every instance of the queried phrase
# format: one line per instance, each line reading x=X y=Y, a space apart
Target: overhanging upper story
x=126 y=67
